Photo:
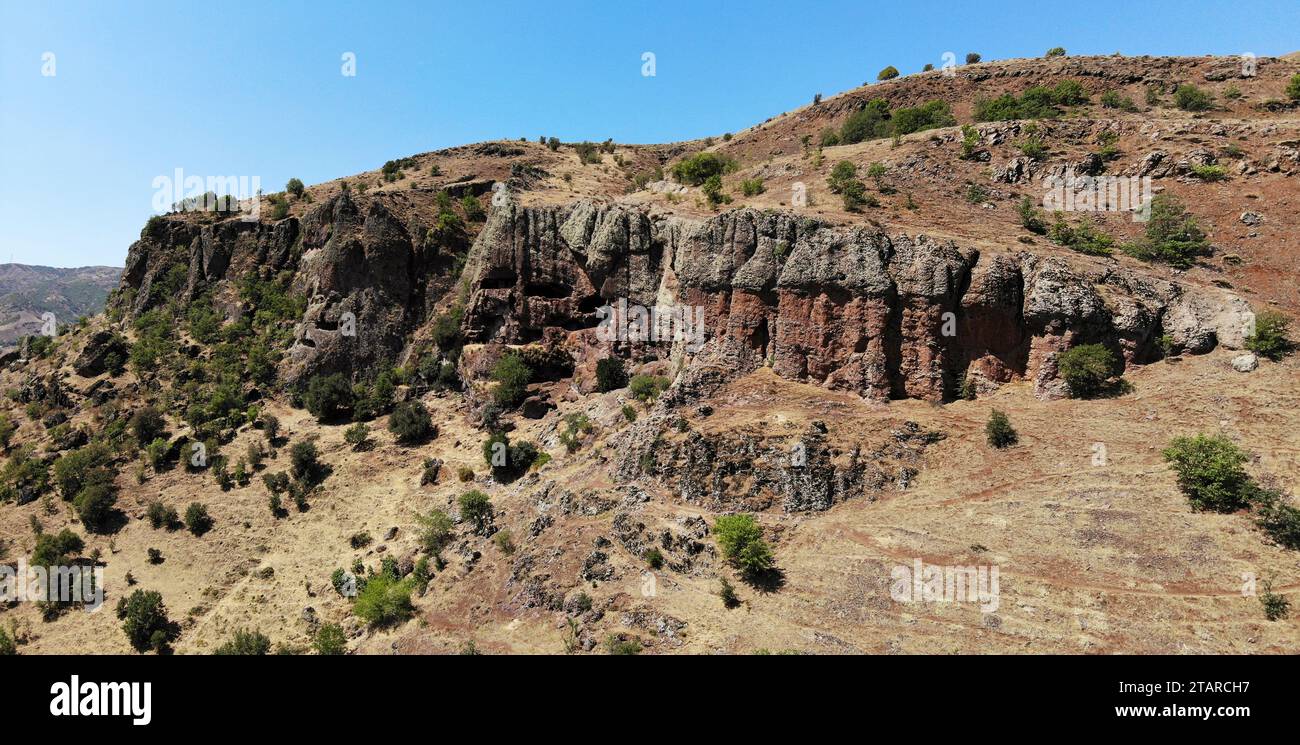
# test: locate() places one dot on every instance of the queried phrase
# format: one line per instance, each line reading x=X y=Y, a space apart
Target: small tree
x=144 y=620
x=94 y=505
x=1055 y=52
x=512 y=375
x=197 y=519
x=1293 y=88
x=437 y=530
x=271 y=428
x=476 y=509
x=329 y=397
x=973 y=58
x=330 y=640
x=1210 y=472
x=999 y=431
x=146 y=425
x=161 y=516
x=295 y=187
x=1087 y=369
x=1270 y=338
x=1276 y=607
x=384 y=601
x=304 y=461
x=410 y=423
x=889 y=73
x=610 y=374
x=741 y=541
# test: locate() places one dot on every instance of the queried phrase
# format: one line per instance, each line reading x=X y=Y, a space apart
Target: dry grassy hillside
x=1097 y=549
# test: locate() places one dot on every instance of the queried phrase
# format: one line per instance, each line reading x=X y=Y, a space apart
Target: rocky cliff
x=887 y=316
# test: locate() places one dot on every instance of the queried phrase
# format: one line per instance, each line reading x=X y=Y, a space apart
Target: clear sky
x=256 y=88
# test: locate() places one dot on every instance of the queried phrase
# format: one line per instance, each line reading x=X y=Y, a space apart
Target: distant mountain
x=26 y=292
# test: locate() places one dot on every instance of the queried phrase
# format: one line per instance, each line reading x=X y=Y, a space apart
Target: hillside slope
x=28 y=292
x=848 y=355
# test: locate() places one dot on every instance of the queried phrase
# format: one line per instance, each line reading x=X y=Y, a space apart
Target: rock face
x=845 y=307
x=103 y=350
x=368 y=277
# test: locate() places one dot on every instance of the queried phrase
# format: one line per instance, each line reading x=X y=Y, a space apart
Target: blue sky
x=255 y=88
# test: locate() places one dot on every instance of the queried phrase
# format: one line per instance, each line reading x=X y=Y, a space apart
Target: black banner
x=227 y=694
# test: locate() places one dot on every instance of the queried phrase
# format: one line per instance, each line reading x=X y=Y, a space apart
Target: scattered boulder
x=1245 y=363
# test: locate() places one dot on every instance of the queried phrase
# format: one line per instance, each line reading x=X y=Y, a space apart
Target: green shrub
x=8 y=644
x=610 y=374
x=973 y=58
x=1171 y=235
x=1276 y=607
x=1055 y=52
x=7 y=429
x=329 y=397
x=357 y=435
x=1087 y=369
x=144 y=620
x=889 y=73
x=436 y=530
x=647 y=387
x=741 y=541
x=512 y=375
x=197 y=519
x=1270 y=336
x=1209 y=173
x=473 y=208
x=56 y=549
x=247 y=643
x=654 y=558
x=1083 y=237
x=712 y=189
x=930 y=115
x=1032 y=147
x=476 y=509
x=94 y=505
x=304 y=461
x=854 y=195
x=410 y=423
x=1277 y=518
x=629 y=413
x=1069 y=93
x=504 y=542
x=295 y=187
x=841 y=173
x=384 y=601
x=330 y=640
x=1293 y=88
x=752 y=187
x=161 y=516
x=576 y=426
x=728 y=594
x=622 y=647
x=82 y=467
x=1210 y=472
x=868 y=123
x=999 y=431
x=1030 y=216
x=146 y=425
x=1113 y=100
x=1190 y=98
x=698 y=168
